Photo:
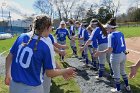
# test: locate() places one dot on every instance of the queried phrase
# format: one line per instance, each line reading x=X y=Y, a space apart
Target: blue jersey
x=27 y=64
x=61 y=34
x=85 y=35
x=98 y=35
x=80 y=29
x=52 y=38
x=117 y=42
x=72 y=30
x=95 y=44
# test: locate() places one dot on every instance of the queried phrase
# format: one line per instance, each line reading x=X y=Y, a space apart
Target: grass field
x=130 y=31
x=62 y=86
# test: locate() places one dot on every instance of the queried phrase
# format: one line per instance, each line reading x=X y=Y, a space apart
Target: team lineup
x=31 y=63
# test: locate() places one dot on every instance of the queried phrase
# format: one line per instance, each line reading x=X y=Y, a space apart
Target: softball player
x=30 y=58
x=117 y=47
x=72 y=42
x=61 y=33
x=81 y=42
x=99 y=34
x=92 y=48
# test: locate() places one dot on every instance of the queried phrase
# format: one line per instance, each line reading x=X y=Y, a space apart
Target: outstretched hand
x=133 y=71
x=70 y=73
x=97 y=54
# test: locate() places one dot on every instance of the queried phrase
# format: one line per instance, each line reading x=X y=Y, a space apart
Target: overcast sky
x=26 y=6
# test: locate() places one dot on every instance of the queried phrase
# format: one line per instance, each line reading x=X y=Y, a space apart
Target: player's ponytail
x=112 y=23
x=40 y=24
x=89 y=28
x=97 y=22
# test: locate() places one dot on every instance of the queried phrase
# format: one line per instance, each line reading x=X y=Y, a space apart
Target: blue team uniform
x=52 y=38
x=72 y=30
x=98 y=36
x=116 y=41
x=85 y=35
x=27 y=64
x=61 y=34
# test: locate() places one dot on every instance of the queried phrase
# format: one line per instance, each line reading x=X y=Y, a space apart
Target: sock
x=62 y=57
x=117 y=83
x=86 y=57
x=101 y=70
x=125 y=79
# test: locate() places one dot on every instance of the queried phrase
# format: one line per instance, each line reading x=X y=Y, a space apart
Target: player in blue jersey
x=61 y=34
x=117 y=48
x=72 y=34
x=85 y=37
x=92 y=48
x=99 y=34
x=79 y=35
x=30 y=58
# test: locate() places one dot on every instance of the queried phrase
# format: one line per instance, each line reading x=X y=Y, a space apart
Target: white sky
x=26 y=6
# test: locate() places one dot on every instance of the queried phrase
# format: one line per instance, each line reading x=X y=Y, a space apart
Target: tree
x=104 y=15
x=111 y=6
x=44 y=6
x=90 y=14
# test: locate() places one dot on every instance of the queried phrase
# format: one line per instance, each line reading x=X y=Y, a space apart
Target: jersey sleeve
x=83 y=32
x=23 y=38
x=56 y=31
x=93 y=35
x=48 y=61
x=14 y=47
x=52 y=38
x=110 y=40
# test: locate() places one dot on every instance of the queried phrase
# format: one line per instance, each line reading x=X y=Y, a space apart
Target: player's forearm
x=8 y=63
x=108 y=50
x=87 y=43
x=137 y=64
x=55 y=72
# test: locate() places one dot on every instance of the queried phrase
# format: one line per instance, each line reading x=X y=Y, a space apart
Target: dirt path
x=133 y=46
x=2 y=65
x=86 y=78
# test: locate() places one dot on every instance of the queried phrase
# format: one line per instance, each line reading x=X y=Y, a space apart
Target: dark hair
x=71 y=21
x=85 y=24
x=99 y=25
x=40 y=23
x=89 y=28
x=112 y=22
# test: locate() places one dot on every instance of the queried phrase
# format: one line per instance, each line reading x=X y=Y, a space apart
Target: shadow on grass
x=57 y=88
x=80 y=71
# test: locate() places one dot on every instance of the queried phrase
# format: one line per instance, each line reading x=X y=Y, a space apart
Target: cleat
x=99 y=78
x=114 y=90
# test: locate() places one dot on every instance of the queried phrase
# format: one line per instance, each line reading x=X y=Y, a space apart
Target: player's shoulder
x=24 y=37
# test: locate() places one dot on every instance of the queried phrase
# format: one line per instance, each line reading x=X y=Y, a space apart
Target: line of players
x=104 y=43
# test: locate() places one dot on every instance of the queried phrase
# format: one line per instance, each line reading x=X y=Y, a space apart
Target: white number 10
x=28 y=61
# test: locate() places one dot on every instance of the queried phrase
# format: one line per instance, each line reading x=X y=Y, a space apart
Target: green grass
x=3 y=87
x=134 y=83
x=6 y=44
x=130 y=31
x=62 y=86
